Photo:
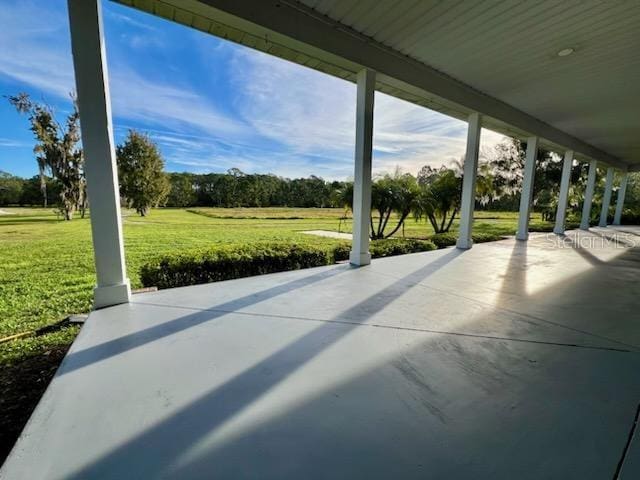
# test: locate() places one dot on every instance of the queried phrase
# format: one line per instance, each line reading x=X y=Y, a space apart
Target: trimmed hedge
x=391 y=247
x=629 y=217
x=226 y=263
x=449 y=239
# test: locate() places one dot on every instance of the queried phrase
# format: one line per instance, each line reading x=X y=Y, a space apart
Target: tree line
x=432 y=195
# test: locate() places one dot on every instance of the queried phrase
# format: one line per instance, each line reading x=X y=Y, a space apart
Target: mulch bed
x=21 y=386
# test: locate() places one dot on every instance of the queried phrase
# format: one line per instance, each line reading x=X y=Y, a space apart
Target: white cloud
x=300 y=108
x=289 y=120
x=11 y=143
x=35 y=47
x=312 y=112
x=155 y=103
x=40 y=59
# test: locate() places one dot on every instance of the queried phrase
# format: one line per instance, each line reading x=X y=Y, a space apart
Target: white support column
x=561 y=212
x=362 y=177
x=606 y=199
x=470 y=174
x=89 y=61
x=620 y=203
x=527 y=188
x=588 y=195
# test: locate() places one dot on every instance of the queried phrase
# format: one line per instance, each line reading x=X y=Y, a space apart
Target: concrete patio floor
x=510 y=360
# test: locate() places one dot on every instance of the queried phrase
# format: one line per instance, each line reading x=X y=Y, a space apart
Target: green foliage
x=229 y=262
x=393 y=197
x=443 y=240
x=181 y=190
x=400 y=246
x=632 y=196
x=57 y=152
x=10 y=189
x=225 y=263
x=506 y=164
x=143 y=183
x=439 y=197
x=391 y=194
x=236 y=189
x=448 y=239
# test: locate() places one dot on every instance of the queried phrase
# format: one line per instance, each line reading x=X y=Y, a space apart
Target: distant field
x=46 y=264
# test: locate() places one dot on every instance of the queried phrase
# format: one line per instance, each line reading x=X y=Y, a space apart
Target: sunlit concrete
x=509 y=360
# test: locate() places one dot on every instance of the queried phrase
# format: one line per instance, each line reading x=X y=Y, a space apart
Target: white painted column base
x=111 y=295
x=359 y=259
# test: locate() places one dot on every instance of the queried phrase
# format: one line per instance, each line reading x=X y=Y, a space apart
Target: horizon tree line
x=432 y=195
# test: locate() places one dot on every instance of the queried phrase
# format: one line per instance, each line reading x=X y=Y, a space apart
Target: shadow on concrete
x=171 y=437
x=82 y=358
x=519 y=412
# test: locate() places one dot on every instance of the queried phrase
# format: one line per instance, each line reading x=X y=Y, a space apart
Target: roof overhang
x=290 y=30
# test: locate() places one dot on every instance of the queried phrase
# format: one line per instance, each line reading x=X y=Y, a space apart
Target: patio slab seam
x=393 y=327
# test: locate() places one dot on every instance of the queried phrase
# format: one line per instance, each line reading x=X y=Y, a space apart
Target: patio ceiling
x=499 y=58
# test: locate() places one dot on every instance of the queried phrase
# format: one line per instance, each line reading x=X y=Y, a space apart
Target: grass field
x=46 y=265
x=47 y=273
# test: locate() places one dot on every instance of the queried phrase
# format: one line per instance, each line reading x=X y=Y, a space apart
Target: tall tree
x=58 y=152
x=143 y=182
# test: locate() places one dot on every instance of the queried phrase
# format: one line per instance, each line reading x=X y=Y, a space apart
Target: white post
x=469 y=181
x=527 y=188
x=588 y=195
x=620 y=203
x=89 y=61
x=561 y=212
x=606 y=199
x=362 y=176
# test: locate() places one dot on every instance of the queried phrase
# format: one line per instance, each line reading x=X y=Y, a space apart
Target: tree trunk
x=434 y=223
x=453 y=215
x=400 y=223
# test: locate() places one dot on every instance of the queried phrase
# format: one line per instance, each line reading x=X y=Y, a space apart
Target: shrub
x=547 y=227
x=442 y=240
x=486 y=237
x=630 y=217
x=391 y=247
x=341 y=252
x=226 y=263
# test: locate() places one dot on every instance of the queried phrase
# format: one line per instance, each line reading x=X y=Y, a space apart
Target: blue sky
x=209 y=104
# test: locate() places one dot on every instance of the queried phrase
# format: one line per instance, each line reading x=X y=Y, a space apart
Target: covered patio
x=514 y=359
x=509 y=360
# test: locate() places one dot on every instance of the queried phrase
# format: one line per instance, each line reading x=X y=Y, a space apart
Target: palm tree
x=439 y=198
x=390 y=194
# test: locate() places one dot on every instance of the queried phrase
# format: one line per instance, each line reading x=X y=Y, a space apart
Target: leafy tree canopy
x=143 y=182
